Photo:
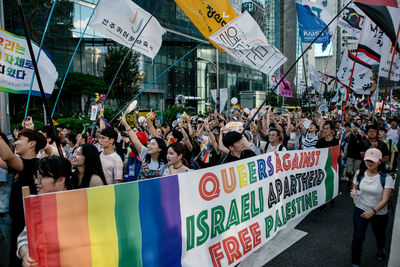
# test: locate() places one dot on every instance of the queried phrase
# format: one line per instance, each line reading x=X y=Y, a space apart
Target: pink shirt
x=112 y=167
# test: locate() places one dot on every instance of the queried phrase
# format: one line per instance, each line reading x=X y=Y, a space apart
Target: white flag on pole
x=243 y=39
x=123 y=20
x=352 y=20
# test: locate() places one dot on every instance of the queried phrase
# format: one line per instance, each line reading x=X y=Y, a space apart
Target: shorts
x=352 y=165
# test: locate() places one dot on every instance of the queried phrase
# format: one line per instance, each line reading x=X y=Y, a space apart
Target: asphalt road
x=328 y=242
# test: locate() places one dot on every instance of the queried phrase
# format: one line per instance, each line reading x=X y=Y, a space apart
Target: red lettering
x=286 y=162
x=231 y=248
x=216 y=254
x=245 y=240
x=256 y=233
x=209 y=177
x=295 y=162
x=306 y=162
x=318 y=154
x=312 y=159
x=278 y=164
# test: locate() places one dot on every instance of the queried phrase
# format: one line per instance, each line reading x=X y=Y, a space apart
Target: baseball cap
x=373 y=154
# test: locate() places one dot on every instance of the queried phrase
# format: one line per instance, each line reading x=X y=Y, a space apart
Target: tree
x=126 y=83
x=78 y=84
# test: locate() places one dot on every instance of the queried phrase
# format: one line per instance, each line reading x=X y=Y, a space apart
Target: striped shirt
x=310 y=141
x=112 y=167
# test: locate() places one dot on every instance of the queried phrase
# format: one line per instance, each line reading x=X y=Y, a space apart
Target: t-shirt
x=112 y=167
x=354 y=146
x=322 y=143
x=310 y=141
x=267 y=147
x=371 y=192
x=381 y=146
x=245 y=154
x=393 y=134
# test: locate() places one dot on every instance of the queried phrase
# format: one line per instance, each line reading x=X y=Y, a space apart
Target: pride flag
x=134 y=224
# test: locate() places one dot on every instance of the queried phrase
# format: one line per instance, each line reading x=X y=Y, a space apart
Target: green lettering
x=288 y=210
x=278 y=221
x=252 y=172
x=269 y=223
x=203 y=227
x=245 y=207
x=233 y=217
x=261 y=199
x=314 y=198
x=254 y=211
x=190 y=232
x=308 y=201
x=217 y=220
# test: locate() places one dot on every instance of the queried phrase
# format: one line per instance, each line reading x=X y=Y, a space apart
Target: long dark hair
x=162 y=157
x=363 y=169
x=92 y=167
x=180 y=149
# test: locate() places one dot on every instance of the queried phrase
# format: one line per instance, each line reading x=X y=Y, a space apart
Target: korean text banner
x=243 y=39
x=16 y=67
x=123 y=20
x=210 y=217
x=208 y=15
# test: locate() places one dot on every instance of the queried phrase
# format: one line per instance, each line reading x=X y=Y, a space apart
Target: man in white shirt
x=110 y=160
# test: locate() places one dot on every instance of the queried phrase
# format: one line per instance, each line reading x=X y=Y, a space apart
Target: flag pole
x=390 y=71
x=291 y=67
x=38 y=55
x=348 y=87
x=39 y=81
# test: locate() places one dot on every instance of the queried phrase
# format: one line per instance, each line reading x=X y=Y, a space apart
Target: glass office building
x=193 y=77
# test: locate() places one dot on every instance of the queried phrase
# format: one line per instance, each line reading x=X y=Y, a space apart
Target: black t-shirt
x=245 y=154
x=26 y=177
x=354 y=146
x=381 y=146
x=322 y=143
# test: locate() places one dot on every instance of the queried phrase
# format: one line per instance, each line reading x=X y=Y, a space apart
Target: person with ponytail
x=371 y=192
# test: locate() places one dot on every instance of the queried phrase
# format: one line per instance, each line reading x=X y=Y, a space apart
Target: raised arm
x=135 y=140
x=12 y=160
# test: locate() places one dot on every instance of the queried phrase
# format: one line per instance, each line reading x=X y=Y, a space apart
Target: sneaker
x=380 y=255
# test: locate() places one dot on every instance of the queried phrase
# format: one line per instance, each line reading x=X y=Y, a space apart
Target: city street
x=329 y=235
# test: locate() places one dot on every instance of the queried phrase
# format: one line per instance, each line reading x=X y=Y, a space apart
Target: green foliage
x=75 y=123
x=172 y=111
x=126 y=83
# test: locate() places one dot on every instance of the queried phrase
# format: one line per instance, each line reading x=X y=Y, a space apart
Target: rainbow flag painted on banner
x=134 y=224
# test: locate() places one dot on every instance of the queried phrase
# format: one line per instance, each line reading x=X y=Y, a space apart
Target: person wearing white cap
x=371 y=192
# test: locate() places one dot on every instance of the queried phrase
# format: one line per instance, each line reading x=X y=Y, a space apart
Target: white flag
x=352 y=20
x=362 y=79
x=316 y=80
x=16 y=67
x=243 y=39
x=123 y=20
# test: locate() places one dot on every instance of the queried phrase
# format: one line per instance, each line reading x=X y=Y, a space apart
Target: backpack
x=280 y=147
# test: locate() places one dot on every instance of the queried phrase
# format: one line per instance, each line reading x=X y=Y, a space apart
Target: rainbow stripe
x=131 y=224
x=238 y=108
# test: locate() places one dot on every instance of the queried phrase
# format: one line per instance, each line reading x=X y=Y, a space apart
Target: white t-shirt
x=371 y=192
x=270 y=147
x=112 y=167
x=393 y=134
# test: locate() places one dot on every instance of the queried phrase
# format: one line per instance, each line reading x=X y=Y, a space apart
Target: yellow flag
x=208 y=15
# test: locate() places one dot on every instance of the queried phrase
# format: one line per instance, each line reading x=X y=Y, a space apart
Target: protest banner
x=16 y=67
x=123 y=20
x=352 y=20
x=243 y=39
x=216 y=216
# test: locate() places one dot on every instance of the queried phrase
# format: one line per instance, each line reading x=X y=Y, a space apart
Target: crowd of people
x=124 y=152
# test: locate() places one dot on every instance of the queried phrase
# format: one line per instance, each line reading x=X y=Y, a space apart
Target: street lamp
x=216 y=66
